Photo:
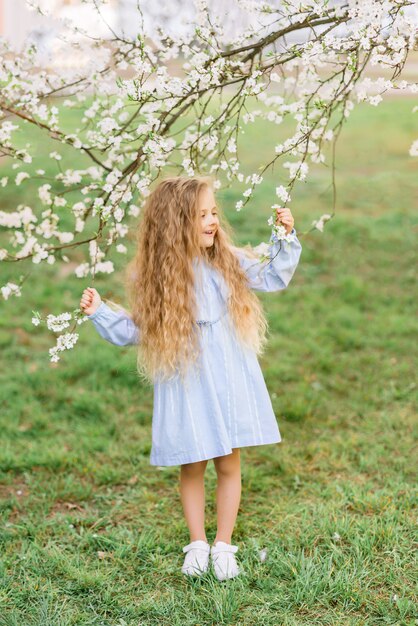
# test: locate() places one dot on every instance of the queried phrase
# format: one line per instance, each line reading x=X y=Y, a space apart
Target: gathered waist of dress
x=210 y=322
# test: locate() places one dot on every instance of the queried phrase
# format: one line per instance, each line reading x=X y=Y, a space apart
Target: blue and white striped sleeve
x=117 y=327
x=277 y=273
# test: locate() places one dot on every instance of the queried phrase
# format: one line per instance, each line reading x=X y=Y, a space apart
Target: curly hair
x=159 y=280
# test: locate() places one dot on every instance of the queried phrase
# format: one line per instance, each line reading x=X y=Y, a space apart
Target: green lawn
x=91 y=534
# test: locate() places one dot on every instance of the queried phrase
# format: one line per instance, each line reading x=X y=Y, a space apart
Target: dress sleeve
x=277 y=273
x=115 y=326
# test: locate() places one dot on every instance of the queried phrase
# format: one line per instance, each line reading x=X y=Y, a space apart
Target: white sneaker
x=196 y=561
x=223 y=560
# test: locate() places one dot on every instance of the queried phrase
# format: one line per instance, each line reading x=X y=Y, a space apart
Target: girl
x=199 y=328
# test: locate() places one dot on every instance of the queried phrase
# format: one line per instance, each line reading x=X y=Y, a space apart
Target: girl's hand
x=90 y=301
x=285 y=217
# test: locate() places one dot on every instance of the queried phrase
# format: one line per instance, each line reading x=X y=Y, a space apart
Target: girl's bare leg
x=192 y=493
x=228 y=493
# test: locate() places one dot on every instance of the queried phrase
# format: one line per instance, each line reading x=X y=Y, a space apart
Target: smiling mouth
x=209 y=232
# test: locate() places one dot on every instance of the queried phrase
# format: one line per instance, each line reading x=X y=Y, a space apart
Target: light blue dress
x=223 y=403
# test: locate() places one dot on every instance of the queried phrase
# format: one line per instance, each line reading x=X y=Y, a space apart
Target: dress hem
x=191 y=458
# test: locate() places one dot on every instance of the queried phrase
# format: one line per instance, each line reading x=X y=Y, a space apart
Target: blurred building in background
x=20 y=23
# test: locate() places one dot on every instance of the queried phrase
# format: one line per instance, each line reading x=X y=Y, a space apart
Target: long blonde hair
x=160 y=280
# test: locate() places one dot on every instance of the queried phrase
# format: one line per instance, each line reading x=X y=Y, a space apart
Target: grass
x=91 y=534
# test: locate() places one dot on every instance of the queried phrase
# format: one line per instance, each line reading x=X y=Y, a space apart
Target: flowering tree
x=155 y=100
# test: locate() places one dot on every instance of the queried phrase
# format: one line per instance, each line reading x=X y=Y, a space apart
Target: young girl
x=199 y=328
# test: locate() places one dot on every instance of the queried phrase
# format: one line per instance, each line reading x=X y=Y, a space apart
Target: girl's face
x=209 y=221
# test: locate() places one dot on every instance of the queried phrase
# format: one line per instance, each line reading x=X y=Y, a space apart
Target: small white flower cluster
x=283 y=194
x=104 y=267
x=44 y=194
x=158 y=149
x=6 y=130
x=278 y=231
x=20 y=177
x=232 y=145
x=97 y=263
x=319 y=224
x=413 y=150
x=10 y=289
x=298 y=169
x=64 y=342
x=253 y=180
x=57 y=323
x=36 y=319
x=82 y=270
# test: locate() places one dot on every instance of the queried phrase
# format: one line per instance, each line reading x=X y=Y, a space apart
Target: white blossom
x=105 y=267
x=256 y=179
x=65 y=237
x=413 y=150
x=64 y=342
x=57 y=323
x=232 y=145
x=297 y=169
x=21 y=176
x=44 y=194
x=375 y=100
x=6 y=129
x=319 y=224
x=82 y=270
x=10 y=289
x=283 y=194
